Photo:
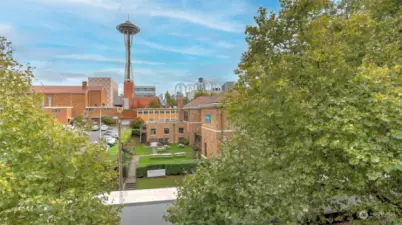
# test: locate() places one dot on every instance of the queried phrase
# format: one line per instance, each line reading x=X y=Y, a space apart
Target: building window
x=139 y=112
x=166 y=131
x=151 y=112
x=185 y=115
x=90 y=109
x=49 y=99
x=207 y=118
x=145 y=112
x=205 y=149
x=181 y=130
x=55 y=110
x=153 y=131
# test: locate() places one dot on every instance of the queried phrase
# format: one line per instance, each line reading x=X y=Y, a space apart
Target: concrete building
x=227 y=85
x=110 y=86
x=145 y=91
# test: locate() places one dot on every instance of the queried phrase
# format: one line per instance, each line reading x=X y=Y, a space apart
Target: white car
x=104 y=128
x=112 y=133
x=95 y=127
x=110 y=140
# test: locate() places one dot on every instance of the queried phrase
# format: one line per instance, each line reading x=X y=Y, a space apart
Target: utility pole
x=100 y=123
x=120 y=157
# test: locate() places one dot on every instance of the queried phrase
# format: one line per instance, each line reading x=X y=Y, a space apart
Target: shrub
x=136 y=132
x=171 y=169
x=185 y=142
x=136 y=123
x=107 y=120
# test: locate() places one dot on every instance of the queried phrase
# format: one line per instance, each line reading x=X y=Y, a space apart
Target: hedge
x=136 y=132
x=171 y=169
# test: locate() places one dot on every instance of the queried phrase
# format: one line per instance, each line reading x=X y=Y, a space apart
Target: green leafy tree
x=169 y=99
x=49 y=174
x=155 y=105
x=204 y=93
x=137 y=123
x=318 y=107
x=185 y=101
x=107 y=120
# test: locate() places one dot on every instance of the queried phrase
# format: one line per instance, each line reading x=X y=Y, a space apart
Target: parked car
x=112 y=133
x=110 y=140
x=104 y=128
x=95 y=127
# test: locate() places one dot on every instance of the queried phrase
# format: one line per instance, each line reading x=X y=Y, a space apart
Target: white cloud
x=217 y=19
x=5 y=29
x=100 y=58
x=194 y=50
x=195 y=18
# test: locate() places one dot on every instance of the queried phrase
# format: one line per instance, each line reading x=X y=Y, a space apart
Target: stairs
x=130 y=186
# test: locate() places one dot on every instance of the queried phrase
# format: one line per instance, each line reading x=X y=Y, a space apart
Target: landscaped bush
x=185 y=142
x=136 y=132
x=171 y=169
x=136 y=123
x=107 y=120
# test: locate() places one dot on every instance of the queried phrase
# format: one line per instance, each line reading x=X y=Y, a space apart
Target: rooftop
x=65 y=89
x=142 y=196
x=202 y=101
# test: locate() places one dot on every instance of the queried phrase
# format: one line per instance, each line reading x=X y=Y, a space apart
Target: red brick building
x=67 y=102
x=202 y=122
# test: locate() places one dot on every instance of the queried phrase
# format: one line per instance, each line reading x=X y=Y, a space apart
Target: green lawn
x=159 y=182
x=146 y=150
x=142 y=149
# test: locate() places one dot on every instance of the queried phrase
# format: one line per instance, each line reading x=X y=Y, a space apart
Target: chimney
x=84 y=85
x=180 y=106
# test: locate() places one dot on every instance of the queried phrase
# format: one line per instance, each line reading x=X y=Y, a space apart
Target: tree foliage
x=155 y=105
x=318 y=106
x=49 y=174
x=204 y=93
x=136 y=123
x=169 y=99
x=107 y=120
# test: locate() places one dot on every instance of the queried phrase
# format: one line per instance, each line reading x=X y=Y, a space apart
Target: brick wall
x=193 y=124
x=97 y=98
x=107 y=111
x=79 y=103
x=173 y=136
x=60 y=114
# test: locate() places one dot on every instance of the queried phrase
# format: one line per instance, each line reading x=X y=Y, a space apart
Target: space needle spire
x=128 y=29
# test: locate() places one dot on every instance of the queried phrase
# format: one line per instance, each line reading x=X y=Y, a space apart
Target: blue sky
x=180 y=40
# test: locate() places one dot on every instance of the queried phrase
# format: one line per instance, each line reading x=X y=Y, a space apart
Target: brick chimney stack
x=180 y=106
x=84 y=85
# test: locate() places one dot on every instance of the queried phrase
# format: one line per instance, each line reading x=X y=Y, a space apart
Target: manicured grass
x=146 y=160
x=159 y=182
x=142 y=149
